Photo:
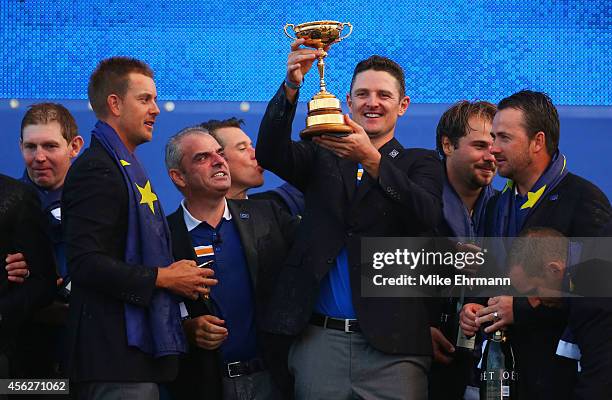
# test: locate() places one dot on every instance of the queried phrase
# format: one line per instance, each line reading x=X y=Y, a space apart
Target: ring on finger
x=496 y=316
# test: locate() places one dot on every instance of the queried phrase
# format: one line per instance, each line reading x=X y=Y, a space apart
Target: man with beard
x=540 y=191
x=463 y=140
x=364 y=184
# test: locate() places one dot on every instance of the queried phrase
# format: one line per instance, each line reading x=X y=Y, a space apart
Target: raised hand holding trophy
x=324 y=111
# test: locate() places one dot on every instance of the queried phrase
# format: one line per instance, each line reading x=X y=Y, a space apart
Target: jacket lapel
x=348 y=170
x=183 y=247
x=181 y=240
x=241 y=215
x=390 y=150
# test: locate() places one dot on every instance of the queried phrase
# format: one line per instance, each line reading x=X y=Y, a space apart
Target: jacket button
x=330 y=260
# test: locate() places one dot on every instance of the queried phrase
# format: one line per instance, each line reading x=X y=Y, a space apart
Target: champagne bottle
x=498 y=376
x=449 y=323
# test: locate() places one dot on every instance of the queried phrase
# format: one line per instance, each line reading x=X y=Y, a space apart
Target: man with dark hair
x=124 y=321
x=240 y=154
x=364 y=184
x=378 y=63
x=539 y=256
x=244 y=168
x=540 y=191
x=463 y=140
x=248 y=242
x=581 y=294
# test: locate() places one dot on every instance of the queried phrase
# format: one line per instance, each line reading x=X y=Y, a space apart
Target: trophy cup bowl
x=319 y=34
x=324 y=111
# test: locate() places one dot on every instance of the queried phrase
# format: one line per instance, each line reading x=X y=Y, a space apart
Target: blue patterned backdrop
x=235 y=50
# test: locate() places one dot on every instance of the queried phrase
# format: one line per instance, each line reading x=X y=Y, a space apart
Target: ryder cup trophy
x=324 y=112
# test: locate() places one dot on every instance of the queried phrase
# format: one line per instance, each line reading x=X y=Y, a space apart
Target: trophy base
x=325 y=117
x=339 y=130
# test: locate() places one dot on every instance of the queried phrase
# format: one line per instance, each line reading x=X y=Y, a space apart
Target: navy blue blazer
x=405 y=200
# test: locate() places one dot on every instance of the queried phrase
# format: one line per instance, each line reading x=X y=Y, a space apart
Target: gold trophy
x=324 y=112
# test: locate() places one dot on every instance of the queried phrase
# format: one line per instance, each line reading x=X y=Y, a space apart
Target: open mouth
x=149 y=123
x=219 y=174
x=372 y=115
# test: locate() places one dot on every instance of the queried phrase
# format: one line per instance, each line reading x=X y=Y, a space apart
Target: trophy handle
x=287 y=34
x=348 y=34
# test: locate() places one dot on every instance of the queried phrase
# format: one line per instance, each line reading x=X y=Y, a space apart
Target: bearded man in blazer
x=540 y=192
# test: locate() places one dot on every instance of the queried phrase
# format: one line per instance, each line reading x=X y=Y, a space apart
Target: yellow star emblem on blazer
x=148 y=197
x=532 y=198
x=124 y=163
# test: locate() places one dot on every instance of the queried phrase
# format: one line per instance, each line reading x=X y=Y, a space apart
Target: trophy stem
x=321 y=67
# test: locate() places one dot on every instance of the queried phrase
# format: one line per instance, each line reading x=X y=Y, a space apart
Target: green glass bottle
x=498 y=376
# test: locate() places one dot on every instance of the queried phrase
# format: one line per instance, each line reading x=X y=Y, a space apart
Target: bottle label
x=464 y=341
x=499 y=375
x=497 y=384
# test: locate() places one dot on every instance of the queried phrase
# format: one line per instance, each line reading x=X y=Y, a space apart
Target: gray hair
x=174 y=151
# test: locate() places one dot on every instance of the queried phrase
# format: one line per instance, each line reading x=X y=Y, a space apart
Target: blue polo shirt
x=335 y=293
x=232 y=297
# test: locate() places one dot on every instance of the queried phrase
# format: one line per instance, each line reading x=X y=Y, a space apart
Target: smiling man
x=124 y=322
x=364 y=184
x=463 y=140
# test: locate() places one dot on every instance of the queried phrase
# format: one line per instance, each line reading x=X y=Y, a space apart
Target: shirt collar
x=192 y=222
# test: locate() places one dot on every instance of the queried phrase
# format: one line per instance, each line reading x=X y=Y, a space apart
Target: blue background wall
x=235 y=50
x=208 y=58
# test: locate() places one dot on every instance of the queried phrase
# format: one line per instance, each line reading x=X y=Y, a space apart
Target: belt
x=240 y=368
x=346 y=325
